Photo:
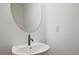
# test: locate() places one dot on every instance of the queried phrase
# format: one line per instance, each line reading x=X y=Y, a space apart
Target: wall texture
x=63 y=28
x=11 y=35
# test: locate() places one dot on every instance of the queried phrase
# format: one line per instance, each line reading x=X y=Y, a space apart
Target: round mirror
x=27 y=16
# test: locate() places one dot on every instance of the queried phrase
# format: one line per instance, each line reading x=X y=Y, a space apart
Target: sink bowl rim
x=15 y=48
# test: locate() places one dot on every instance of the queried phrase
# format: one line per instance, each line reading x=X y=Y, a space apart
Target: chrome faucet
x=29 y=40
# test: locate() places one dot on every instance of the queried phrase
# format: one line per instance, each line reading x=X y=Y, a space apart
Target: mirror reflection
x=27 y=16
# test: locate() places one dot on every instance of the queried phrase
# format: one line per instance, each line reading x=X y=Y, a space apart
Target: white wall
x=11 y=35
x=63 y=28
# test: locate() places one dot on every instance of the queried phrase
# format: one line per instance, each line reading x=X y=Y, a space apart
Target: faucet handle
x=31 y=39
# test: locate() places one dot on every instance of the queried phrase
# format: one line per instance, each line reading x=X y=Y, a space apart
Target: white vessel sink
x=35 y=48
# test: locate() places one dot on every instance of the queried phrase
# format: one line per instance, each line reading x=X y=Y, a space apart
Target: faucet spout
x=29 y=40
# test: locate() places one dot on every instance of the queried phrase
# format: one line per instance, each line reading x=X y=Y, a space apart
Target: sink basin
x=35 y=48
